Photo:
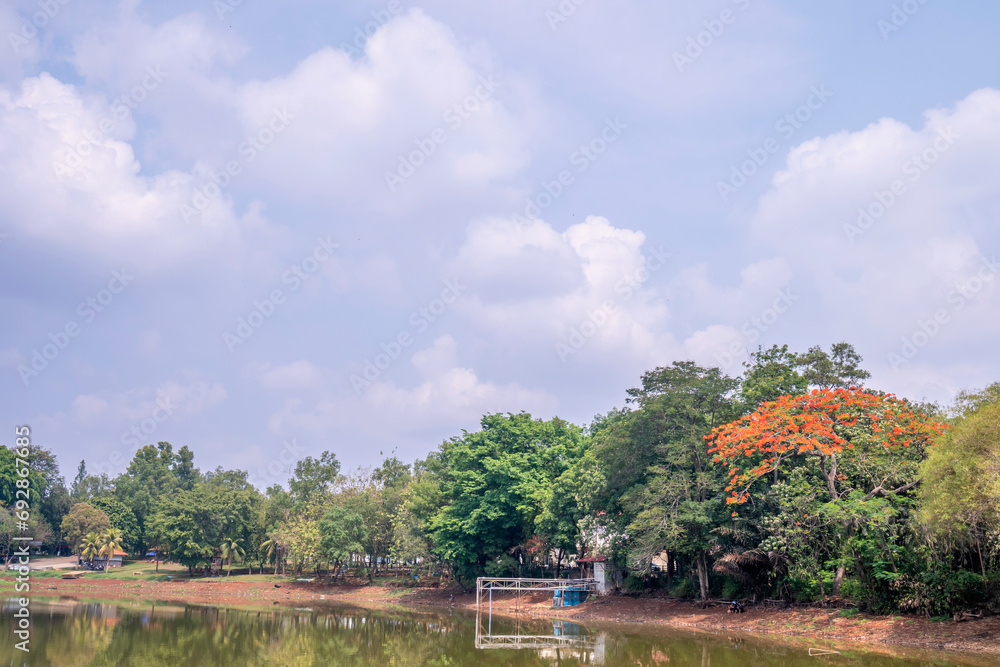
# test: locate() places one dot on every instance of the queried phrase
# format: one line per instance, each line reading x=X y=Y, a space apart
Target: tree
x=818 y=427
x=302 y=537
x=122 y=518
x=776 y=372
x=314 y=477
x=83 y=518
x=150 y=477
x=961 y=479
x=107 y=543
x=10 y=465
x=271 y=548
x=494 y=483
x=231 y=547
x=841 y=368
x=191 y=523
x=682 y=502
x=771 y=374
x=90 y=546
x=421 y=501
x=87 y=486
x=342 y=534
x=859 y=449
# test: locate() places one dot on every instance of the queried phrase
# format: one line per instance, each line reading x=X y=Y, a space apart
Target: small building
x=595 y=567
x=115 y=561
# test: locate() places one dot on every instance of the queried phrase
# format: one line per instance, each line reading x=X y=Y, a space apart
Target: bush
x=731 y=589
x=685 y=588
x=801 y=589
x=635 y=583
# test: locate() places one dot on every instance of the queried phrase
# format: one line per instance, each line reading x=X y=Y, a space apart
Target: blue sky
x=264 y=231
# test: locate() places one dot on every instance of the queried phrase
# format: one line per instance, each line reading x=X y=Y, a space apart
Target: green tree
x=770 y=374
x=108 y=543
x=683 y=501
x=151 y=476
x=191 y=523
x=420 y=502
x=122 y=518
x=840 y=368
x=342 y=534
x=961 y=479
x=87 y=486
x=494 y=483
x=90 y=546
x=83 y=518
x=230 y=548
x=314 y=477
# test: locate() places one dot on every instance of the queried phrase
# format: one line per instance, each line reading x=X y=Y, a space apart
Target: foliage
x=122 y=518
x=190 y=523
x=869 y=432
x=961 y=481
x=154 y=473
x=83 y=518
x=495 y=483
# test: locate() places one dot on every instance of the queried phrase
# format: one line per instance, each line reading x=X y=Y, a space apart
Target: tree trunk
x=670 y=568
x=839 y=579
x=702 y=577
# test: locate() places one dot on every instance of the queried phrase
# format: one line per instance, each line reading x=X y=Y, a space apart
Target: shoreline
x=975 y=638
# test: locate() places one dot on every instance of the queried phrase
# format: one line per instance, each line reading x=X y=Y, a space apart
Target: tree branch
x=883 y=491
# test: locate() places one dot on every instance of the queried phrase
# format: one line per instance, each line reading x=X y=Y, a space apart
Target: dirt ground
x=626 y=613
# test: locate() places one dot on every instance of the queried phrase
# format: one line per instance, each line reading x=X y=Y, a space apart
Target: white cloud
x=296 y=375
x=64 y=180
x=355 y=118
x=880 y=262
x=534 y=286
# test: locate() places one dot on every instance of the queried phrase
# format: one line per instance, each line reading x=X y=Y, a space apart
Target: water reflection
x=567 y=640
x=70 y=633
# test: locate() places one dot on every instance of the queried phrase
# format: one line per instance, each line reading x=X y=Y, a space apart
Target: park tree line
x=793 y=481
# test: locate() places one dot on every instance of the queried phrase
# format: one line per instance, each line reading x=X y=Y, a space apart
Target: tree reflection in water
x=72 y=633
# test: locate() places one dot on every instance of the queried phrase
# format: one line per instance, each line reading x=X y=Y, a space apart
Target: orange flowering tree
x=853 y=439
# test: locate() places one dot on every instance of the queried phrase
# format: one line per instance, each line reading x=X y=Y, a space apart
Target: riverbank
x=980 y=636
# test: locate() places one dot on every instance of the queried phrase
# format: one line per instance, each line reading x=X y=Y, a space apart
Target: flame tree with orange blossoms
x=850 y=436
x=861 y=450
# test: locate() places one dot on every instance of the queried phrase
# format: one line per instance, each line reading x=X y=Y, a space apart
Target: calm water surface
x=67 y=632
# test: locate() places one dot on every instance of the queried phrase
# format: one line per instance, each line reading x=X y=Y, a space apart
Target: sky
x=266 y=230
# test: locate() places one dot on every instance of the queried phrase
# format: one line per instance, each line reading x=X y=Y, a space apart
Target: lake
x=73 y=633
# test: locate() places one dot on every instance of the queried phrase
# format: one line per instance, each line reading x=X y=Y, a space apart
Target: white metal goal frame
x=485 y=586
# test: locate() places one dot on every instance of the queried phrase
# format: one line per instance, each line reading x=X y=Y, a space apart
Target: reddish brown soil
x=978 y=636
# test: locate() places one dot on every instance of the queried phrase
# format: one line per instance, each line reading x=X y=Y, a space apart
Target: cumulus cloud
x=890 y=224
x=356 y=119
x=534 y=285
x=69 y=177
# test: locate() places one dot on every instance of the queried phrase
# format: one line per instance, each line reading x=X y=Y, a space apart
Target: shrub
x=635 y=583
x=685 y=588
x=731 y=589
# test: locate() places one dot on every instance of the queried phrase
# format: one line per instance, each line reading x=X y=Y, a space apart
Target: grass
x=847 y=613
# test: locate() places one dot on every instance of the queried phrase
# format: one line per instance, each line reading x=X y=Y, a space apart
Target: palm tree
x=230 y=548
x=108 y=542
x=271 y=548
x=89 y=546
